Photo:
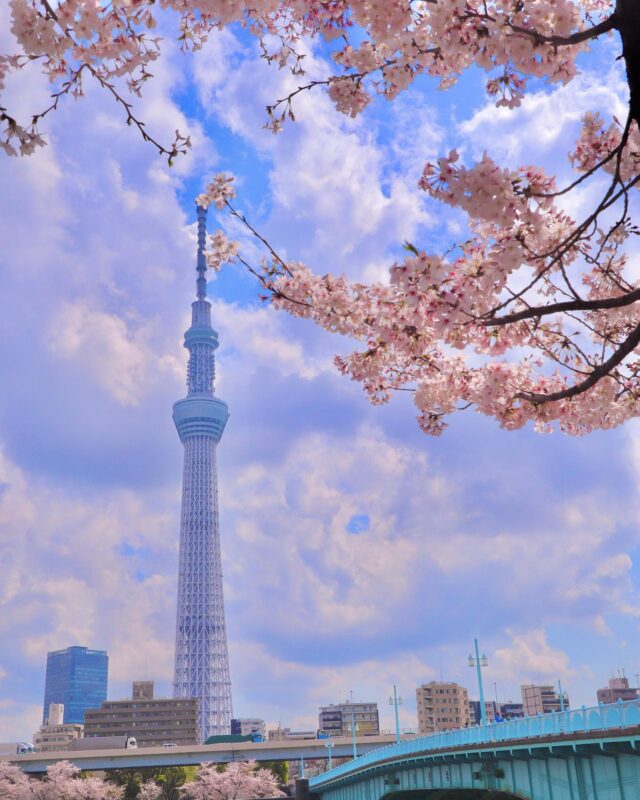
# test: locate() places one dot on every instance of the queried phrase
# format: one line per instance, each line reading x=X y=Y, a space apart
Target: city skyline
x=342 y=523
x=618 y=686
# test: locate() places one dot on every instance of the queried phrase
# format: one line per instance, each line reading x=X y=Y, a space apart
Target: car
x=169 y=744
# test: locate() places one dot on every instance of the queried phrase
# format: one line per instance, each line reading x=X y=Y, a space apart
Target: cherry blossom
x=534 y=317
x=62 y=782
x=220 y=250
x=393 y=42
x=240 y=780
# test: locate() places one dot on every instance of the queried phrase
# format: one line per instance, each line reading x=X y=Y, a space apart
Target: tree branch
x=569 y=305
x=605 y=26
x=628 y=346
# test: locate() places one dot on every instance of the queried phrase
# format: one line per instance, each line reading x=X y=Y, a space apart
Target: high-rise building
x=54 y=735
x=618 y=689
x=151 y=721
x=542 y=699
x=249 y=727
x=201 y=656
x=76 y=677
x=442 y=707
x=338 y=720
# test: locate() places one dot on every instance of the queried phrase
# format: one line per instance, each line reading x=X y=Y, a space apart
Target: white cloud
x=259 y=336
x=116 y=352
x=329 y=179
x=18 y=722
x=531 y=659
x=547 y=121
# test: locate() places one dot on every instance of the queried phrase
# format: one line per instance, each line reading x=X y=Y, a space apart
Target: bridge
x=290 y=750
x=587 y=754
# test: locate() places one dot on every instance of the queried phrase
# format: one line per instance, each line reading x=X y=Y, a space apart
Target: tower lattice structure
x=201 y=658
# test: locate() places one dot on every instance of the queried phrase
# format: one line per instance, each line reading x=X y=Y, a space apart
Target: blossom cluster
x=218 y=192
x=395 y=42
x=513 y=320
x=241 y=780
x=220 y=250
x=598 y=143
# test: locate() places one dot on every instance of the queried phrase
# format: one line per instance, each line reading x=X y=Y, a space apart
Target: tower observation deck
x=201 y=657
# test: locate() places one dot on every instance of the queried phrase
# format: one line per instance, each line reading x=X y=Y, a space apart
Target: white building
x=287 y=735
x=338 y=720
x=56 y=714
x=54 y=735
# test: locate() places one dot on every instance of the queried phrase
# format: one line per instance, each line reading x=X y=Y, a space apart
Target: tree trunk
x=628 y=24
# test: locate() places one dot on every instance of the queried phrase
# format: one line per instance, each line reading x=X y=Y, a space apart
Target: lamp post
x=329 y=745
x=353 y=734
x=478 y=663
x=561 y=695
x=396 y=701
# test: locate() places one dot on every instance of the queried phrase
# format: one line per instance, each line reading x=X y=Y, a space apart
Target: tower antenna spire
x=201 y=659
x=201 y=264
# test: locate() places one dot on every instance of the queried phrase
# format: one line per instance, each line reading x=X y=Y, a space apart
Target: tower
x=201 y=660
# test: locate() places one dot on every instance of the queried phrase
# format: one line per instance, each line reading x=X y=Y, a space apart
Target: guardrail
x=616 y=715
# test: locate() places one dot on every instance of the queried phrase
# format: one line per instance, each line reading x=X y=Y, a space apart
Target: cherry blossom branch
x=608 y=24
x=557 y=308
x=629 y=345
x=181 y=144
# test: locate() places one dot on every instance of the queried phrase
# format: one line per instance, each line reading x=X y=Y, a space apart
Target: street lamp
x=353 y=734
x=478 y=663
x=396 y=701
x=329 y=745
x=561 y=696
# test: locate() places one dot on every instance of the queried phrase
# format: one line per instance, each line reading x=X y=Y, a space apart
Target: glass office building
x=76 y=677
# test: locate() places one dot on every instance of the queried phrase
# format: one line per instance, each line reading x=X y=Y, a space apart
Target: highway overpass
x=292 y=750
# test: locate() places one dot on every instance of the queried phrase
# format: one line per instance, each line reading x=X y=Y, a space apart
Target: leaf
x=411 y=248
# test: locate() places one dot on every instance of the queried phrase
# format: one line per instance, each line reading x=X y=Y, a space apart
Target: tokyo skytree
x=201 y=660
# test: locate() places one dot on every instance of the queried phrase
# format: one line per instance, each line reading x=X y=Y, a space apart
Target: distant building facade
x=151 y=721
x=54 y=735
x=287 y=735
x=338 y=720
x=442 y=707
x=542 y=699
x=618 y=689
x=500 y=711
x=249 y=726
x=142 y=690
x=511 y=710
x=475 y=717
x=77 y=679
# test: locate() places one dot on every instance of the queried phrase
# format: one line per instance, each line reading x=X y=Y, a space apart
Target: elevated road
x=197 y=754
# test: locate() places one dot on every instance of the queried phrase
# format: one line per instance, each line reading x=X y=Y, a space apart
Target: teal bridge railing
x=561 y=723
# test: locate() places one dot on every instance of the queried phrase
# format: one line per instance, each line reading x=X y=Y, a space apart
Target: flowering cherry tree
x=62 y=782
x=240 y=780
x=535 y=316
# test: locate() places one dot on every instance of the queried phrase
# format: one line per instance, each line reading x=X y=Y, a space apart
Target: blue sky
x=358 y=553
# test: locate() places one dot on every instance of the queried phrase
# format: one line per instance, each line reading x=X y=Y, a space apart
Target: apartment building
x=442 y=707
